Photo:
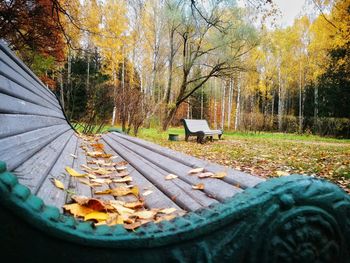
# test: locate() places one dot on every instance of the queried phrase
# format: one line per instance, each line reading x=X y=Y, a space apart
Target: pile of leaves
x=121 y=202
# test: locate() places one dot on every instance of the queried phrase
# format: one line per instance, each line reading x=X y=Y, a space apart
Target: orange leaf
x=198 y=186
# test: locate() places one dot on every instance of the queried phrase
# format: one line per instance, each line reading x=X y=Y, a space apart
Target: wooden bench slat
x=155 y=200
x=233 y=177
x=17 y=149
x=10 y=127
x=31 y=76
x=168 y=187
x=11 y=88
x=215 y=188
x=74 y=184
x=9 y=73
x=48 y=191
x=33 y=171
x=14 y=105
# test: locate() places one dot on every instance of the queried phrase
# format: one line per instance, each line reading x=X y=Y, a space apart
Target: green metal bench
x=239 y=218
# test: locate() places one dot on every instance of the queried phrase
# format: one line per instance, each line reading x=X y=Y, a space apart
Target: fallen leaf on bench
x=132 y=226
x=122 y=210
x=219 y=175
x=85 y=168
x=98 y=146
x=205 y=175
x=77 y=210
x=98 y=216
x=98 y=154
x=114 y=157
x=114 y=219
x=145 y=214
x=58 y=184
x=92 y=203
x=87 y=182
x=198 y=186
x=73 y=172
x=148 y=192
x=126 y=179
x=168 y=210
x=122 y=174
x=120 y=191
x=121 y=168
x=74 y=156
x=133 y=205
x=170 y=176
x=101 y=171
x=101 y=181
x=196 y=170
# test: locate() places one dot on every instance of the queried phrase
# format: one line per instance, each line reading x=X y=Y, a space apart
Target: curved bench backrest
x=30 y=114
x=196 y=125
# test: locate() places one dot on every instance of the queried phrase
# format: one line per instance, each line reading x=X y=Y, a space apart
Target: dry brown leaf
x=167 y=210
x=125 y=179
x=101 y=181
x=196 y=170
x=198 y=186
x=101 y=171
x=205 y=175
x=148 y=192
x=73 y=172
x=166 y=217
x=170 y=176
x=122 y=163
x=58 y=183
x=114 y=219
x=98 y=154
x=98 y=146
x=281 y=173
x=219 y=175
x=98 y=216
x=145 y=214
x=78 y=210
x=87 y=182
x=122 y=210
x=92 y=203
x=122 y=173
x=133 y=205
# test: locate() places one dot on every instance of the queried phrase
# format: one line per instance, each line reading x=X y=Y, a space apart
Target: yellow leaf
x=219 y=175
x=120 y=191
x=98 y=216
x=58 y=184
x=73 y=172
x=114 y=219
x=121 y=209
x=170 y=176
x=196 y=170
x=198 y=186
x=92 y=203
x=78 y=210
x=168 y=210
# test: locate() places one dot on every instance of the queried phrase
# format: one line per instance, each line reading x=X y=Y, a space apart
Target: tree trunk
x=280 y=101
x=223 y=102
x=215 y=106
x=238 y=104
x=300 y=102
x=229 y=110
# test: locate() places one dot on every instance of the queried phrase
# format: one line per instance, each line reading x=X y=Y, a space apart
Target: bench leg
x=220 y=136
x=186 y=137
x=200 y=139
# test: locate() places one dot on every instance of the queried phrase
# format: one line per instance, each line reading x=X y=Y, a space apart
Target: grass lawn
x=268 y=154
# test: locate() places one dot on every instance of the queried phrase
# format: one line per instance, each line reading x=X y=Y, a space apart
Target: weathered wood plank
x=74 y=184
x=13 y=89
x=16 y=77
x=155 y=200
x=48 y=191
x=13 y=124
x=157 y=178
x=215 y=188
x=10 y=104
x=33 y=171
x=233 y=177
x=13 y=61
x=17 y=149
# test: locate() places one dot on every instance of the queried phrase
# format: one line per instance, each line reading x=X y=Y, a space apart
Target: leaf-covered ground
x=269 y=154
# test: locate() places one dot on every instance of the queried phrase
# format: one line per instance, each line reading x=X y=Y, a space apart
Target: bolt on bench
x=236 y=218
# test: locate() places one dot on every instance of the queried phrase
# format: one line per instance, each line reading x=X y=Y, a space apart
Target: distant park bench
x=199 y=128
x=238 y=218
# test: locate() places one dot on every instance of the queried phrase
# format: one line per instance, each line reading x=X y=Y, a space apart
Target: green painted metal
x=173 y=137
x=288 y=219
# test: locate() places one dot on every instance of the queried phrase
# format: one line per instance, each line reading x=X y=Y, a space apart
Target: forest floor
x=268 y=154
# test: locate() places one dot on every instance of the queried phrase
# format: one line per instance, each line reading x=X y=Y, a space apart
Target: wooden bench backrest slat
x=197 y=125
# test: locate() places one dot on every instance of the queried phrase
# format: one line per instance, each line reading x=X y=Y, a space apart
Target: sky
x=290 y=9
